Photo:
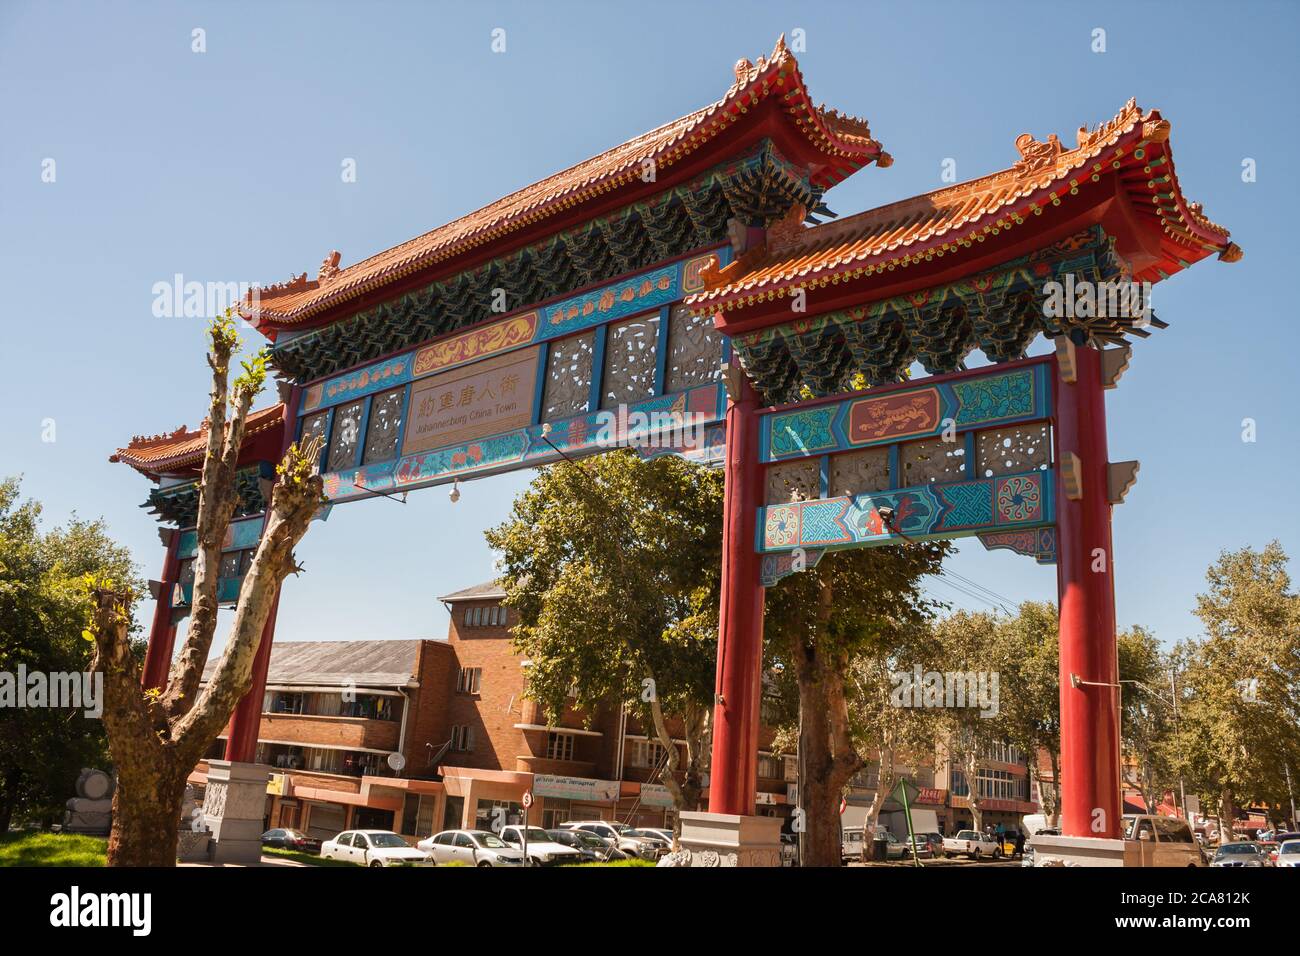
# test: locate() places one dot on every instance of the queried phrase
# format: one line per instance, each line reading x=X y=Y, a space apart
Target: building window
x=469 y=679
x=462 y=738
x=767 y=767
x=647 y=753
x=556 y=812
x=559 y=746
x=791 y=768
x=494 y=616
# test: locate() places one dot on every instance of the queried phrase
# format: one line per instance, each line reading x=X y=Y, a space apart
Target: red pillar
x=241 y=744
x=1090 y=749
x=733 y=772
x=162 y=634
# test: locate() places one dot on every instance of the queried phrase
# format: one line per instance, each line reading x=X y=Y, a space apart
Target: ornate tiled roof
x=845 y=142
x=159 y=454
x=1133 y=145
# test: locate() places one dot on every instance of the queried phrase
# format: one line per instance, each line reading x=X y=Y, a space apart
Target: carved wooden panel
x=568 y=377
x=630 y=359
x=313 y=426
x=1004 y=451
x=794 y=481
x=345 y=437
x=922 y=462
x=381 y=431
x=694 y=351
x=857 y=471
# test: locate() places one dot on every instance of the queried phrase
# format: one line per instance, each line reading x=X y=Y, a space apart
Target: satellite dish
x=396 y=761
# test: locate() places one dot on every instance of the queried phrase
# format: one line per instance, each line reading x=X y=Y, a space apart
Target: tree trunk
x=1054 y=817
x=146 y=827
x=9 y=798
x=1227 y=815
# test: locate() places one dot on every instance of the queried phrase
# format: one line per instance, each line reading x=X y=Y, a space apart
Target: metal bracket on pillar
x=1114 y=362
x=731 y=376
x=1072 y=476
x=1065 y=361
x=1120 y=477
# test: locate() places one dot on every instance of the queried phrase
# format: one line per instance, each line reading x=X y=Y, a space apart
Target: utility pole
x=1173 y=690
x=1295 y=821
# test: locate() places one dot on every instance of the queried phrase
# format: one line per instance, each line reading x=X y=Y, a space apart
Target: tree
x=1146 y=712
x=1239 y=702
x=967 y=644
x=883 y=723
x=817 y=623
x=157 y=738
x=42 y=613
x=613 y=565
x=1030 y=691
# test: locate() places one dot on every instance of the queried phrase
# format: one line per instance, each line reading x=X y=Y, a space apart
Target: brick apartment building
x=419 y=736
x=470 y=742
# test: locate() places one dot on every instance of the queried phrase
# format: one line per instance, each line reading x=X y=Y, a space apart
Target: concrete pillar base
x=1080 y=851
x=727 y=839
x=234 y=805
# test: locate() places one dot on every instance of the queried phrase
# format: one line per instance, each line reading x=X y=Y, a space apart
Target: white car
x=471 y=847
x=541 y=850
x=973 y=844
x=373 y=848
x=646 y=848
x=1288 y=854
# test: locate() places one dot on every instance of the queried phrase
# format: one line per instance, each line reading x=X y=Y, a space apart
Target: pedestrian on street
x=1020 y=843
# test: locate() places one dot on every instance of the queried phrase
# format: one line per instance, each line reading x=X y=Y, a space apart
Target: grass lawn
x=619 y=863
x=33 y=848
x=310 y=859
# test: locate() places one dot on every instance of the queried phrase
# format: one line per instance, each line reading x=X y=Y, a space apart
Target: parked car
x=373 y=848
x=471 y=847
x=1288 y=853
x=593 y=849
x=1269 y=849
x=541 y=849
x=664 y=844
x=285 y=839
x=851 y=844
x=664 y=834
x=621 y=834
x=927 y=845
x=1237 y=854
x=1028 y=858
x=1156 y=840
x=973 y=844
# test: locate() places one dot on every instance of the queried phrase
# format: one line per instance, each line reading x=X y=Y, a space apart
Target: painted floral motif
x=782 y=527
x=1020 y=499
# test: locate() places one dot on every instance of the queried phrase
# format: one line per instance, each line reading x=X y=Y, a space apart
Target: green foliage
x=1239 y=685
x=34 y=848
x=250 y=381
x=44 y=609
x=613 y=566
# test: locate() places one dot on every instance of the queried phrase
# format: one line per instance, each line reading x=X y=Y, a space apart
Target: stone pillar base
x=727 y=839
x=1080 y=851
x=234 y=805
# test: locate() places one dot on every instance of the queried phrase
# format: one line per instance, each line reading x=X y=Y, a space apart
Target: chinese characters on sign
x=481 y=399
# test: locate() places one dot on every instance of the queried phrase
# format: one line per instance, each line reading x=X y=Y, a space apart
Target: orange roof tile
x=951 y=217
x=846 y=139
x=157 y=454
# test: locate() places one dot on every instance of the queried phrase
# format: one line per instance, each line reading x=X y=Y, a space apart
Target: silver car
x=472 y=848
x=1237 y=854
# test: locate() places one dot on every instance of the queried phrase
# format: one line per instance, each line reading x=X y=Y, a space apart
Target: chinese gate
x=670 y=296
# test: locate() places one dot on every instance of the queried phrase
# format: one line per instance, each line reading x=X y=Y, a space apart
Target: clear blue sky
x=225 y=166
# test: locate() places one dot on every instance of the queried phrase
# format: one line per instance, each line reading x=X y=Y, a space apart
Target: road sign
x=528 y=798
